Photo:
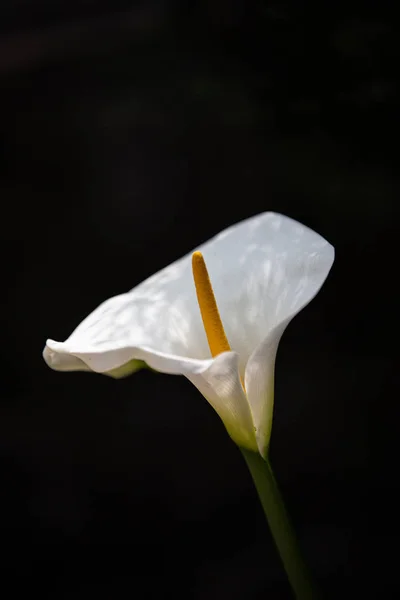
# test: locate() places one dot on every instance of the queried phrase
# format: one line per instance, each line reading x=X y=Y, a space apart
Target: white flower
x=264 y=270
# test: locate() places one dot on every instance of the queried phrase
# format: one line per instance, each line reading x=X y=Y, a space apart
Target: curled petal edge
x=217 y=379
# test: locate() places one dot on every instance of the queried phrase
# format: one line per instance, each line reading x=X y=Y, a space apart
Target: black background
x=131 y=132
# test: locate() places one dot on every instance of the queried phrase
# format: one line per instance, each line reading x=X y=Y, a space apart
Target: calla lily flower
x=263 y=270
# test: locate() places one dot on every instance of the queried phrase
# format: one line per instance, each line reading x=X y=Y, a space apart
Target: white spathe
x=264 y=270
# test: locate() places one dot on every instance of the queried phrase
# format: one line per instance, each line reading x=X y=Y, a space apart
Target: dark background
x=130 y=133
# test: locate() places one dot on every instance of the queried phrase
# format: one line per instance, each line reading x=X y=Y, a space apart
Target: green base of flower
x=280 y=526
x=128 y=368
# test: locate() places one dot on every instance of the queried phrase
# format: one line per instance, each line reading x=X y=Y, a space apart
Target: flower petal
x=217 y=379
x=62 y=361
x=263 y=275
x=264 y=270
x=301 y=272
x=259 y=271
x=259 y=382
x=220 y=384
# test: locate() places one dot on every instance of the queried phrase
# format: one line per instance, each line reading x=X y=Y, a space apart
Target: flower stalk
x=280 y=526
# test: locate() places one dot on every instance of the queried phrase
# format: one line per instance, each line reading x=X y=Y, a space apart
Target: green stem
x=280 y=526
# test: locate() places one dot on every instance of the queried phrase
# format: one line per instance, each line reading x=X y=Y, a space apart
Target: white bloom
x=264 y=270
